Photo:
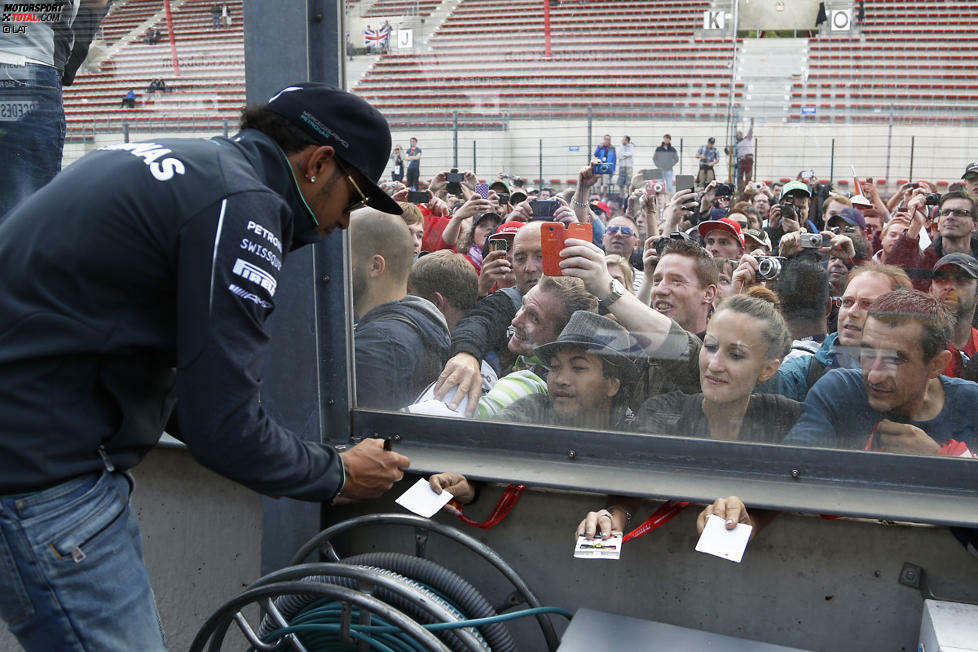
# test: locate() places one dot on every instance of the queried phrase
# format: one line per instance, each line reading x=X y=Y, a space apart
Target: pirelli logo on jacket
x=256 y=275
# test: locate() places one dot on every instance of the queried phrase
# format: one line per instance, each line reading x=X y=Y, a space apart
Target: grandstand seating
x=210 y=87
x=402 y=8
x=487 y=61
x=914 y=58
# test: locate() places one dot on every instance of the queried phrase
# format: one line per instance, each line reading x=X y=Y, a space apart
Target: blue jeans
x=32 y=130
x=669 y=179
x=72 y=571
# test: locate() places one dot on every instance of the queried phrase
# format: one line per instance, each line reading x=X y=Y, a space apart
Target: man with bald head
x=401 y=341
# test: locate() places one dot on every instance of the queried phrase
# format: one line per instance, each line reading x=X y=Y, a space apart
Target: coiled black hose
x=459 y=592
x=456 y=590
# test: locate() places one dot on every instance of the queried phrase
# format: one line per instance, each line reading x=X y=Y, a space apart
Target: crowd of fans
x=788 y=314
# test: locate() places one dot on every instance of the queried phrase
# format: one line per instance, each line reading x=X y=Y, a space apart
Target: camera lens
x=769 y=268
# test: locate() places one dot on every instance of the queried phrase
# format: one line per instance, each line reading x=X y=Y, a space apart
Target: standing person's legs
x=625 y=180
x=71 y=564
x=412 y=177
x=32 y=136
x=670 y=180
x=701 y=177
x=747 y=169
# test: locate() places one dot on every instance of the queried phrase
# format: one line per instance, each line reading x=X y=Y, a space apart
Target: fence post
x=474 y=167
x=587 y=145
x=125 y=132
x=889 y=144
x=680 y=156
x=224 y=127
x=910 y=178
x=541 y=163
x=832 y=164
x=455 y=139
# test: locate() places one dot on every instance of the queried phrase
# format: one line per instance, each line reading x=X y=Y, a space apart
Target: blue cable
x=317 y=625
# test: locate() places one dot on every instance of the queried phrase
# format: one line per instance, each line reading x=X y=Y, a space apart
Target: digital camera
x=789 y=212
x=933 y=199
x=769 y=267
x=811 y=240
x=603 y=168
x=724 y=190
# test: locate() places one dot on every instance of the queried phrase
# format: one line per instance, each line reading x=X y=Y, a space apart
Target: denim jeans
x=32 y=130
x=71 y=564
x=669 y=179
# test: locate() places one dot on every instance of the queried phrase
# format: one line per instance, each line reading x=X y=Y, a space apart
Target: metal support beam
x=306 y=373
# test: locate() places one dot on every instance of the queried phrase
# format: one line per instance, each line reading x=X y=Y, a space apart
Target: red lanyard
x=668 y=511
x=503 y=507
x=872 y=435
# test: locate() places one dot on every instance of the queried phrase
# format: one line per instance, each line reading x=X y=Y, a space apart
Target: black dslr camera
x=724 y=190
x=933 y=199
x=788 y=211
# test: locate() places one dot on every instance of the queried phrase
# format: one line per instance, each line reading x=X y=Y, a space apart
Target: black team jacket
x=140 y=278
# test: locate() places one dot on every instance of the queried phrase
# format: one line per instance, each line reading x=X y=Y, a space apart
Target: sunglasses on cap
x=624 y=230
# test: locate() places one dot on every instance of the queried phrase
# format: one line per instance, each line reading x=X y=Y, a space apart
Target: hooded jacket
x=401 y=347
x=141 y=276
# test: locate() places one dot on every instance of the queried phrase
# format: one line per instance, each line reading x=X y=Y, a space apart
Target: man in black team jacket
x=139 y=279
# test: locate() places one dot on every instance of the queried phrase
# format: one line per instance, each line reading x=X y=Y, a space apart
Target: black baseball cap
x=964 y=261
x=356 y=130
x=971 y=169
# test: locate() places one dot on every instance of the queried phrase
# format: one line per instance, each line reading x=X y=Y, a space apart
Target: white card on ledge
x=422 y=500
x=598 y=548
x=718 y=540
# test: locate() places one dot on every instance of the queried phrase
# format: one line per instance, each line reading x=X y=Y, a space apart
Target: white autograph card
x=598 y=548
x=422 y=500
x=718 y=540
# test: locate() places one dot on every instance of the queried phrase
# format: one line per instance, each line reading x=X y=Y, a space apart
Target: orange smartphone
x=552 y=236
x=581 y=231
x=552 y=241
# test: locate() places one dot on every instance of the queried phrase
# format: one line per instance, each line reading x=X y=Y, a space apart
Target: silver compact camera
x=811 y=240
x=769 y=267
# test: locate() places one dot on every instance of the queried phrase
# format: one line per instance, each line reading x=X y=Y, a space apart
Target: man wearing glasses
x=621 y=237
x=136 y=288
x=956 y=214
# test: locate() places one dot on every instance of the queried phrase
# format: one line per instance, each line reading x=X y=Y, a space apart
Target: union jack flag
x=377 y=38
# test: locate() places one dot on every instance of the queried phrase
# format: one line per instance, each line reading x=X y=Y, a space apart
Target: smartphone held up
x=552 y=237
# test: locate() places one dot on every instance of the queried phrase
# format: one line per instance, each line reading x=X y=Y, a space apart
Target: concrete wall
x=804 y=582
